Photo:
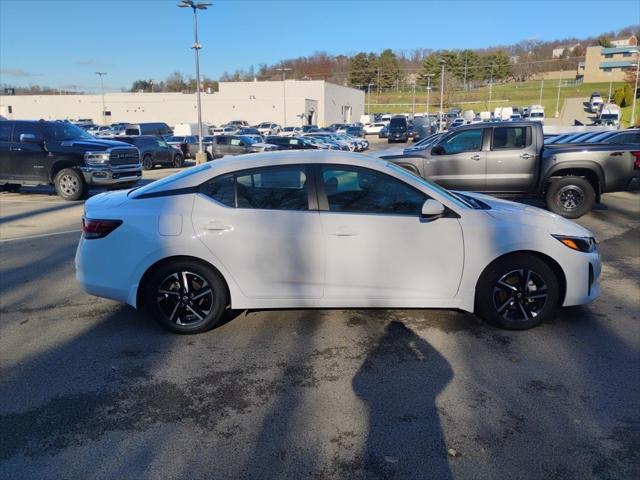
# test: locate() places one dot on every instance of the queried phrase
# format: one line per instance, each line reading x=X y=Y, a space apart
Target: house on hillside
x=608 y=64
x=562 y=50
x=631 y=41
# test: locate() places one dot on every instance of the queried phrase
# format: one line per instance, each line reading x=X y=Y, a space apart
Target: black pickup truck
x=61 y=154
x=510 y=159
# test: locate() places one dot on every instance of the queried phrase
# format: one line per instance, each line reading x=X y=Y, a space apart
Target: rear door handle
x=616 y=154
x=214 y=226
x=343 y=233
x=476 y=157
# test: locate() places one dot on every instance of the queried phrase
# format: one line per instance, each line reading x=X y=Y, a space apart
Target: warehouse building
x=292 y=103
x=608 y=64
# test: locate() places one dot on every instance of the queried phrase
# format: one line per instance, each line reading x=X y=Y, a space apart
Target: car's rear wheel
x=178 y=161
x=70 y=184
x=186 y=296
x=570 y=197
x=147 y=162
x=517 y=292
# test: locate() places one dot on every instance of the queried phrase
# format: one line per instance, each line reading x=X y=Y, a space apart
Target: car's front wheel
x=70 y=184
x=147 y=162
x=178 y=161
x=186 y=296
x=517 y=292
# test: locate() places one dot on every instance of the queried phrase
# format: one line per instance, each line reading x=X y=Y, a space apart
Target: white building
x=302 y=102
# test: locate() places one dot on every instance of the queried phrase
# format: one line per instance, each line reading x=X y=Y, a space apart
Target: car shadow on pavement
x=398 y=382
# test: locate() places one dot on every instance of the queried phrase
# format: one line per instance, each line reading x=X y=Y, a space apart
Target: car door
x=236 y=146
x=28 y=158
x=164 y=152
x=512 y=159
x=458 y=161
x=377 y=245
x=263 y=225
x=6 y=161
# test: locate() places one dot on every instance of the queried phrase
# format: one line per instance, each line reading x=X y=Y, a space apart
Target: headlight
x=96 y=158
x=581 y=244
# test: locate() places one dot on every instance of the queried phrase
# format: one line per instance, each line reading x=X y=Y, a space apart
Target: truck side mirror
x=29 y=138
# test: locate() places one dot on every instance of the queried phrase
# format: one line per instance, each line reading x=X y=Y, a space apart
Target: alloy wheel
x=571 y=197
x=520 y=295
x=185 y=298
x=69 y=185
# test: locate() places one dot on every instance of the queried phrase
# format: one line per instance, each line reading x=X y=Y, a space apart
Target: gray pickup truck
x=510 y=159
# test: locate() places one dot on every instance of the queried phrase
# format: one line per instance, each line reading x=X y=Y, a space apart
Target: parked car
x=268 y=128
x=291 y=143
x=188 y=144
x=422 y=128
x=238 y=123
x=398 y=129
x=250 y=243
x=236 y=145
x=354 y=131
x=291 y=132
x=248 y=131
x=65 y=156
x=594 y=102
x=326 y=138
x=100 y=131
x=536 y=113
x=154 y=151
x=306 y=128
x=373 y=128
x=224 y=130
x=513 y=161
x=384 y=132
x=457 y=122
x=149 y=128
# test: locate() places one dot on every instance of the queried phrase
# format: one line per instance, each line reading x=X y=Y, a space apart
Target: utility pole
x=490 y=88
x=201 y=155
x=413 y=108
x=442 y=62
x=378 y=100
x=558 y=97
x=465 y=70
x=635 y=89
x=102 y=74
x=284 y=94
x=369 y=92
x=610 y=81
x=428 y=90
x=541 y=85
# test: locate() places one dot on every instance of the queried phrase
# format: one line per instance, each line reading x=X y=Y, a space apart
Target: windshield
x=536 y=115
x=175 y=139
x=433 y=186
x=65 y=131
x=609 y=116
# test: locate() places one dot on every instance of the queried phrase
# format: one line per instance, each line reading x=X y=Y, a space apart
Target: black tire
x=178 y=161
x=70 y=184
x=147 y=162
x=209 y=157
x=190 y=309
x=570 y=197
x=504 y=300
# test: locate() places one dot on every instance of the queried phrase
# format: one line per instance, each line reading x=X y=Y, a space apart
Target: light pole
x=610 y=82
x=632 y=122
x=284 y=95
x=369 y=92
x=200 y=156
x=413 y=107
x=102 y=74
x=428 y=90
x=442 y=62
x=541 y=86
x=558 y=97
x=490 y=87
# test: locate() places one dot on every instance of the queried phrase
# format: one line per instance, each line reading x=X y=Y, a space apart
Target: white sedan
x=327 y=229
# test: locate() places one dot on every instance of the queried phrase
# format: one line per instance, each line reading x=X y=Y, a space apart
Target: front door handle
x=214 y=226
x=526 y=156
x=343 y=233
x=476 y=157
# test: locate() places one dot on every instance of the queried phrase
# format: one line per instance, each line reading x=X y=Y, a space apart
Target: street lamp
x=284 y=94
x=635 y=90
x=541 y=87
x=490 y=87
x=200 y=156
x=369 y=92
x=442 y=62
x=428 y=90
x=558 y=97
x=610 y=82
x=102 y=74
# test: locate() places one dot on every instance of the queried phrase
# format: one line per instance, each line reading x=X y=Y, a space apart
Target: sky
x=60 y=43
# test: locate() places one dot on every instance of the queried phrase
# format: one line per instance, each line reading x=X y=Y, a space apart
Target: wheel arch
x=592 y=172
x=61 y=165
x=153 y=267
x=555 y=266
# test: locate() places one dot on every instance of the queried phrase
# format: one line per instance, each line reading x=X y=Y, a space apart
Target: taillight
x=636 y=162
x=98 y=228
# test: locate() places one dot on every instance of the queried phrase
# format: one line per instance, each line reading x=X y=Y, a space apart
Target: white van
x=536 y=113
x=468 y=116
x=595 y=102
x=609 y=115
x=187 y=129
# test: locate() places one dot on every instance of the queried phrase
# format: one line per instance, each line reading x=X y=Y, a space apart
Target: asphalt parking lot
x=91 y=388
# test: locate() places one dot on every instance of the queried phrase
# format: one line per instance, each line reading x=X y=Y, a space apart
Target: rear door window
x=25 y=128
x=510 y=138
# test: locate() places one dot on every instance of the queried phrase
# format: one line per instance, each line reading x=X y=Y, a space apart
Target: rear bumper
x=109 y=175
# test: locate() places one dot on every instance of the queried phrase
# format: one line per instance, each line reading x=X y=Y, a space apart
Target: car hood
x=99 y=144
x=389 y=152
x=523 y=214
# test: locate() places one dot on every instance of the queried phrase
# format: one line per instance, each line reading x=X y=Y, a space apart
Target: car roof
x=196 y=175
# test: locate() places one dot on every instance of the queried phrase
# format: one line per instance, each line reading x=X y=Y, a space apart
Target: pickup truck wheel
x=517 y=292
x=70 y=184
x=178 y=161
x=147 y=162
x=209 y=157
x=570 y=197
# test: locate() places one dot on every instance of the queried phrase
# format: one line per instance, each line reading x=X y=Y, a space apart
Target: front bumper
x=582 y=272
x=111 y=175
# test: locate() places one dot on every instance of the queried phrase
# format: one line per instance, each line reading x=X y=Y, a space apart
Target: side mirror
x=432 y=209
x=29 y=138
x=438 y=150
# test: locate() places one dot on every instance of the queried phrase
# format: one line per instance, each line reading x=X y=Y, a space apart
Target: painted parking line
x=42 y=235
